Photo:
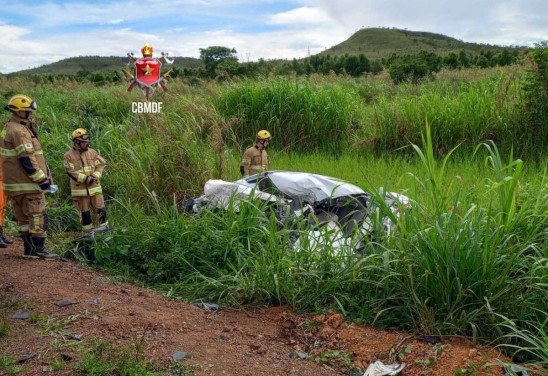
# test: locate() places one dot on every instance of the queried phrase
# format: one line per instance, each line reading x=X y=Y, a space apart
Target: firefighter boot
x=3 y=237
x=27 y=246
x=4 y=241
x=40 y=250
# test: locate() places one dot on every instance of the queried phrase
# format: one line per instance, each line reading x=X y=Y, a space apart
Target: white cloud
x=299 y=16
x=116 y=21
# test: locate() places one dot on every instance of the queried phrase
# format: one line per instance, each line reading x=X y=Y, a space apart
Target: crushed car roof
x=314 y=187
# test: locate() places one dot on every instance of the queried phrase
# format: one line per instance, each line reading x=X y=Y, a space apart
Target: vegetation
x=536 y=93
x=381 y=43
x=82 y=66
x=408 y=55
x=104 y=358
x=475 y=234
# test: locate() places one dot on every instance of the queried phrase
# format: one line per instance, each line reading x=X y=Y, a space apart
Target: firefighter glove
x=90 y=180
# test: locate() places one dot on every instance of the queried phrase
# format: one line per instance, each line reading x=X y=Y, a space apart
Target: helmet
x=21 y=102
x=147 y=50
x=79 y=134
x=263 y=135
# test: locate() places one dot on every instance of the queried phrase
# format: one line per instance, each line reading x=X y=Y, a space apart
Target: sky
x=38 y=32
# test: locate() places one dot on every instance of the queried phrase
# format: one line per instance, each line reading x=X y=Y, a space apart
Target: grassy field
x=476 y=235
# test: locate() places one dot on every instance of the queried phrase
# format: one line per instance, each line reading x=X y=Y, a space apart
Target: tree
x=413 y=68
x=536 y=96
x=214 y=55
x=505 y=58
x=451 y=60
x=464 y=61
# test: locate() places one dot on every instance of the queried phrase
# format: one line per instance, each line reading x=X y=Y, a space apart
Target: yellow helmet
x=263 y=135
x=147 y=50
x=21 y=102
x=79 y=134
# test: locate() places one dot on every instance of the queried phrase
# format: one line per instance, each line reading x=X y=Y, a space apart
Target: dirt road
x=70 y=306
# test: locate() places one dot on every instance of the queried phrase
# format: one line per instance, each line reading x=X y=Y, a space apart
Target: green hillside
x=92 y=64
x=378 y=43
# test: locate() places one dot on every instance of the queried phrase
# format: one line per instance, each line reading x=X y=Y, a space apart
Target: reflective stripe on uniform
x=97 y=174
x=38 y=176
x=37 y=228
x=86 y=169
x=81 y=177
x=21 y=187
x=86 y=192
x=18 y=150
x=24 y=228
x=38 y=152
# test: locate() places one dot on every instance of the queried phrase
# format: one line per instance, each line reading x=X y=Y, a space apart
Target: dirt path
x=227 y=342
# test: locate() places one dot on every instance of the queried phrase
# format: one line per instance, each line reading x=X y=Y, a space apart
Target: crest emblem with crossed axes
x=147 y=71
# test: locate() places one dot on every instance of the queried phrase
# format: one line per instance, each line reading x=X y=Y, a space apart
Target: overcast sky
x=37 y=32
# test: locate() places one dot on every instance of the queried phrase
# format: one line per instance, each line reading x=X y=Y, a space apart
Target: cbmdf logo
x=147 y=73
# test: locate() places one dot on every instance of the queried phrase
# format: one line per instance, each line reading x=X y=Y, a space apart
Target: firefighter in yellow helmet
x=255 y=158
x=26 y=175
x=85 y=167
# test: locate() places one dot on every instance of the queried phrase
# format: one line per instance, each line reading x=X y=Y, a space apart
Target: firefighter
x=26 y=175
x=4 y=240
x=255 y=158
x=85 y=167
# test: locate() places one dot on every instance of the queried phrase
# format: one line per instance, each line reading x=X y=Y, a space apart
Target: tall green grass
x=301 y=116
x=463 y=112
x=448 y=268
x=475 y=236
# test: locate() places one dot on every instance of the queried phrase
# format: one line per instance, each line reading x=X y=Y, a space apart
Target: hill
x=92 y=64
x=378 y=43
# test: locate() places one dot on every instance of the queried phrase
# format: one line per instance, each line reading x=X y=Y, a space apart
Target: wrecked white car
x=335 y=211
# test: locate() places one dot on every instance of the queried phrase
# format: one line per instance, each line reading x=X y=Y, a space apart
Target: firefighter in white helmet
x=255 y=158
x=85 y=168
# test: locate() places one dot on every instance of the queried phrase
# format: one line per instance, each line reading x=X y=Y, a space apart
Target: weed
x=467 y=371
x=399 y=355
x=4 y=326
x=182 y=369
x=337 y=358
x=425 y=362
x=8 y=365
x=57 y=364
x=53 y=326
x=12 y=303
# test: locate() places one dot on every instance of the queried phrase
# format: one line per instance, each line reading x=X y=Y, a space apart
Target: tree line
x=222 y=63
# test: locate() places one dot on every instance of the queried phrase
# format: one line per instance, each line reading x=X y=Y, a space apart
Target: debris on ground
x=378 y=368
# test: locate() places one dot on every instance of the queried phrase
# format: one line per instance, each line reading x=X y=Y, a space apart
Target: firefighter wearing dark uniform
x=26 y=175
x=255 y=158
x=85 y=167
